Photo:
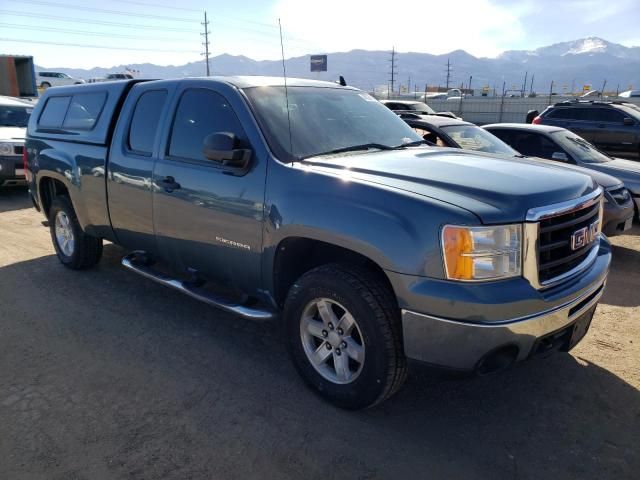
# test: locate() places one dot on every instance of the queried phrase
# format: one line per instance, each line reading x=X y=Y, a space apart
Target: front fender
x=398 y=230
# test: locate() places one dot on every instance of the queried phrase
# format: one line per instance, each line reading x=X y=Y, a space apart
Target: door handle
x=169 y=184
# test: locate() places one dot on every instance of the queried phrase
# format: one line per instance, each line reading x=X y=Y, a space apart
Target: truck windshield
x=579 y=148
x=14 y=116
x=470 y=137
x=325 y=120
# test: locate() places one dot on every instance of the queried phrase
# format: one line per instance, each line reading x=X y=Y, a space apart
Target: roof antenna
x=286 y=92
x=341 y=81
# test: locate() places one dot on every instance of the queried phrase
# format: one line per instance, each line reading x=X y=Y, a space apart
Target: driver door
x=208 y=217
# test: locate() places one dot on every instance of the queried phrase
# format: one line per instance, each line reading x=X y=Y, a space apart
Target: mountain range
x=580 y=62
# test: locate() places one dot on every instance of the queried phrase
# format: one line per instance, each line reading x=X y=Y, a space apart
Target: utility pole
x=206 y=41
x=393 y=69
x=524 y=84
x=448 y=73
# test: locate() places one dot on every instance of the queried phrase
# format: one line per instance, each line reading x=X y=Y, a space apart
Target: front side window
x=144 y=124
x=321 y=120
x=579 y=148
x=608 y=115
x=535 y=145
x=84 y=110
x=200 y=113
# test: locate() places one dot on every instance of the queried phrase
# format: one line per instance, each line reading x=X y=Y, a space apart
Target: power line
x=85 y=32
x=103 y=10
x=108 y=47
x=95 y=22
x=206 y=41
x=146 y=4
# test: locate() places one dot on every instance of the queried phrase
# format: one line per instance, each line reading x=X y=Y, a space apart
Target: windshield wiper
x=352 y=148
x=412 y=144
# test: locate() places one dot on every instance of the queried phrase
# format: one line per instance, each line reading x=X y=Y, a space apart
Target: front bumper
x=462 y=343
x=615 y=218
x=11 y=171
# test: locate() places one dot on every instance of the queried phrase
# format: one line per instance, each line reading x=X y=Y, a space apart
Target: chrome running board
x=251 y=313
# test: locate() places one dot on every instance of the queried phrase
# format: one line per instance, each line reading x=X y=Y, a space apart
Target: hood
x=12 y=133
x=497 y=190
x=626 y=170
x=602 y=179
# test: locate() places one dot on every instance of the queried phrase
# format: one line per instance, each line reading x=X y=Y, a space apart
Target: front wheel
x=45 y=85
x=344 y=335
x=75 y=249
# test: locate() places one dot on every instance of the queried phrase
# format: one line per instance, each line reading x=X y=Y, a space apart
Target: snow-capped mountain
x=586 y=61
x=585 y=47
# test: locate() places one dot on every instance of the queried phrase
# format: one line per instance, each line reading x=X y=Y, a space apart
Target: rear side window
x=84 y=110
x=200 y=113
x=144 y=124
x=567 y=114
x=54 y=111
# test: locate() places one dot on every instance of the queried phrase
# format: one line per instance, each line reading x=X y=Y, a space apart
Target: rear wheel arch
x=48 y=189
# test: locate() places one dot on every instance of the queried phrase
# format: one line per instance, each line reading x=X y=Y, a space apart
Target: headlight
x=482 y=253
x=6 y=149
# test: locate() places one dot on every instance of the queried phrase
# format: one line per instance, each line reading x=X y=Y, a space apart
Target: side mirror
x=561 y=156
x=221 y=147
x=628 y=121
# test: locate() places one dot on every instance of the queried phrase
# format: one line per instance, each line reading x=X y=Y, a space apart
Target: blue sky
x=166 y=32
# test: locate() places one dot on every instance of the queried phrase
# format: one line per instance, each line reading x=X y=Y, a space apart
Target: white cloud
x=477 y=26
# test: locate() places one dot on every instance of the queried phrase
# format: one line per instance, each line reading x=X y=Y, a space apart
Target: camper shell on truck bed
x=318 y=207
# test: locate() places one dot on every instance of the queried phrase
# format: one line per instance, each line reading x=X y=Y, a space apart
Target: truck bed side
x=58 y=160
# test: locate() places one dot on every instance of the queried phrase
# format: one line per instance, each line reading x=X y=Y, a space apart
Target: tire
x=80 y=251
x=353 y=296
x=45 y=85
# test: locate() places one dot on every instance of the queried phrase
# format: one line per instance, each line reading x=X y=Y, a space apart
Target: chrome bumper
x=461 y=346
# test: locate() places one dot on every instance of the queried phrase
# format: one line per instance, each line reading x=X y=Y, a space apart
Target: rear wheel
x=344 y=336
x=75 y=249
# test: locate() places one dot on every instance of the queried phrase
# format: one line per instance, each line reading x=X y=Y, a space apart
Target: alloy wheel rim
x=64 y=234
x=332 y=340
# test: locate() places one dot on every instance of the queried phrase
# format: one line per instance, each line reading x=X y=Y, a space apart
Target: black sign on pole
x=318 y=63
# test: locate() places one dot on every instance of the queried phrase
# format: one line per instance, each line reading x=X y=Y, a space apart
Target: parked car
x=613 y=127
x=111 y=77
x=618 y=210
x=564 y=146
x=55 y=79
x=414 y=107
x=14 y=115
x=322 y=216
x=630 y=94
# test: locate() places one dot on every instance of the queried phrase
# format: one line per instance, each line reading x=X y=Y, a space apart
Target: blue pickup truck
x=313 y=205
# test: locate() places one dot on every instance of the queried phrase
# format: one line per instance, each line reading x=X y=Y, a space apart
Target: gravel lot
x=106 y=375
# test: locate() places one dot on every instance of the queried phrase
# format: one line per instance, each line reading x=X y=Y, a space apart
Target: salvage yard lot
x=104 y=374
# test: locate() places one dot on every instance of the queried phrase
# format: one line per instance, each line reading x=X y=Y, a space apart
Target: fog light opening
x=497 y=360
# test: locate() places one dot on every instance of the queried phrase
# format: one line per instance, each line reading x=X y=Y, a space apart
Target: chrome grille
x=18 y=149
x=556 y=254
x=562 y=239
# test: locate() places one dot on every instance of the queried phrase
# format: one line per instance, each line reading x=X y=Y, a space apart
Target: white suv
x=56 y=79
x=14 y=115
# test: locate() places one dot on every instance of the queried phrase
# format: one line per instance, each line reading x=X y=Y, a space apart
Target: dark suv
x=612 y=126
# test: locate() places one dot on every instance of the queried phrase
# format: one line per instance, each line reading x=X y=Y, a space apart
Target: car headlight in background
x=482 y=253
x=6 y=149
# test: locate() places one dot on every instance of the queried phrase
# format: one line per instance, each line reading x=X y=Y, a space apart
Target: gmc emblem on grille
x=583 y=237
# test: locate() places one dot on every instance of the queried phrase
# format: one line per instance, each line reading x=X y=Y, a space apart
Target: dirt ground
x=104 y=374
